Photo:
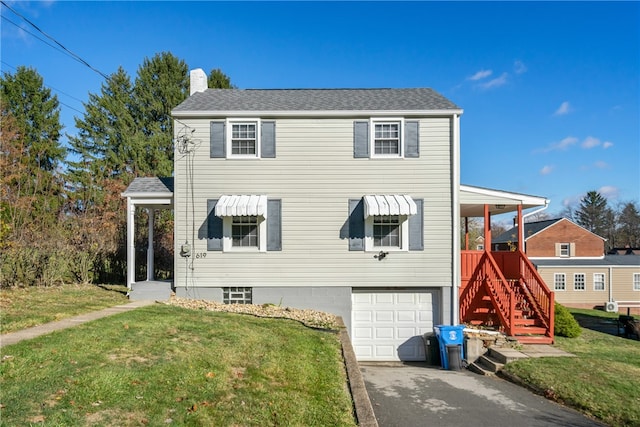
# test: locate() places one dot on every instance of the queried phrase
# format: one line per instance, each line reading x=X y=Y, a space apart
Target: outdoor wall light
x=381 y=255
x=500 y=206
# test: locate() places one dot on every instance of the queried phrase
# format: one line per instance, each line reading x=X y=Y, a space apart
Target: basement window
x=237 y=295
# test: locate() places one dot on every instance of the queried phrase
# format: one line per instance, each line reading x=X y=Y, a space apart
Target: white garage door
x=387 y=325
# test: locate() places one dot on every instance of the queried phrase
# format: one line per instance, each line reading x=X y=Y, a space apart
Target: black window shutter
x=356 y=225
x=214 y=227
x=217 y=140
x=274 y=225
x=268 y=140
x=411 y=139
x=360 y=139
x=416 y=228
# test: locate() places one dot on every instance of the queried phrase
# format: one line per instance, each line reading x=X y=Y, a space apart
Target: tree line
x=62 y=216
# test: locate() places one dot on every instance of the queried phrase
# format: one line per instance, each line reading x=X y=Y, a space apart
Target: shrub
x=565 y=324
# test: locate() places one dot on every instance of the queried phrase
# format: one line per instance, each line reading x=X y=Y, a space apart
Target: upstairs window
x=244 y=139
x=386 y=139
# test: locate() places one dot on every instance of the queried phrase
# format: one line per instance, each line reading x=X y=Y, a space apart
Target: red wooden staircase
x=504 y=291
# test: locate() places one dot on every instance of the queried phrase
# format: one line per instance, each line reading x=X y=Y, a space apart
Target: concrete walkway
x=36 y=331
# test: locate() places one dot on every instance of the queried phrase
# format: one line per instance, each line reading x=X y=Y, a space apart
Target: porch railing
x=486 y=272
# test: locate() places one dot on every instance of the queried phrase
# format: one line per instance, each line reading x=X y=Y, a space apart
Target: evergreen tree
x=218 y=80
x=161 y=84
x=31 y=153
x=594 y=214
x=37 y=115
x=628 y=226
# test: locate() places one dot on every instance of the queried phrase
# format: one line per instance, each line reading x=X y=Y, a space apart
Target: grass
x=22 y=308
x=163 y=365
x=602 y=381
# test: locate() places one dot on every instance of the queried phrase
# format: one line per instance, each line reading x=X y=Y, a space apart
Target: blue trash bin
x=449 y=335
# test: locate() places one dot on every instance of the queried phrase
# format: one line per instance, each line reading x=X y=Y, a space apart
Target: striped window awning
x=389 y=205
x=242 y=205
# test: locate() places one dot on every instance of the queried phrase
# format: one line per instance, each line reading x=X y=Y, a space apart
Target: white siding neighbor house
x=336 y=200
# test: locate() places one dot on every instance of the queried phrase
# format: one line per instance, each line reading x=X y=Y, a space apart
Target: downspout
x=610 y=284
x=455 y=173
x=546 y=205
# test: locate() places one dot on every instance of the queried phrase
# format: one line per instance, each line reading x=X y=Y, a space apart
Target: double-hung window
x=636 y=281
x=386 y=139
x=565 y=249
x=244 y=139
x=598 y=281
x=579 y=282
x=244 y=232
x=559 y=282
x=386 y=231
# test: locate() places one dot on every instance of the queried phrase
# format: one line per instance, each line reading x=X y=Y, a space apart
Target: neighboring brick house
x=573 y=263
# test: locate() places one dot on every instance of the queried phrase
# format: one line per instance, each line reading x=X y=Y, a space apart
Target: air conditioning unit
x=611 y=307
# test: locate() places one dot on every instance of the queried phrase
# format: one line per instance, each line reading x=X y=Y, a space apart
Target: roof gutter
x=546 y=205
x=324 y=113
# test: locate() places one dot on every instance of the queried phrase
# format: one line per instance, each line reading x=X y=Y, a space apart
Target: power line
x=75 y=56
x=57 y=90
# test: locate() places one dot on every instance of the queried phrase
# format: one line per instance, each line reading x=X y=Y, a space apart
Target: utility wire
x=55 y=89
x=75 y=56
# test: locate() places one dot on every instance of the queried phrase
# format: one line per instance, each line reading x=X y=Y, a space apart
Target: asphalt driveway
x=420 y=395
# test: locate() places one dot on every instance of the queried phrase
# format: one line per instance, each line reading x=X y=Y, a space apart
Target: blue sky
x=550 y=90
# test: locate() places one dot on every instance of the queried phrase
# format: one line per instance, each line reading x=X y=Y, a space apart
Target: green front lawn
x=22 y=308
x=163 y=365
x=602 y=381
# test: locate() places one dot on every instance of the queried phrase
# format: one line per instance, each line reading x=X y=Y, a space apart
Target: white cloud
x=590 y=142
x=546 y=170
x=497 y=82
x=607 y=144
x=563 y=109
x=519 y=67
x=600 y=164
x=481 y=75
x=561 y=145
x=609 y=192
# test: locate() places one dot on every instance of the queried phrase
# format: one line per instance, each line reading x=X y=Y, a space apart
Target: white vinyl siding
x=315 y=175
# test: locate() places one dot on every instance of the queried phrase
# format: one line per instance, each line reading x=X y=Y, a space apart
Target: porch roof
x=473 y=199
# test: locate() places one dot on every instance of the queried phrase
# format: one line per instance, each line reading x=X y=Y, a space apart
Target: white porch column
x=150 y=267
x=131 y=244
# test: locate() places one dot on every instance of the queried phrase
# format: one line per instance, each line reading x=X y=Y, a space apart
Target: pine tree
x=594 y=214
x=219 y=80
x=31 y=186
x=628 y=225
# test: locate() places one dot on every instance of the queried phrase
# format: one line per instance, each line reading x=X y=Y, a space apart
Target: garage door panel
x=388 y=325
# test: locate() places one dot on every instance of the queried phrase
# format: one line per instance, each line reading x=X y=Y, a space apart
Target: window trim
x=584 y=282
x=227 y=233
x=229 y=138
x=604 y=283
x=404 y=235
x=372 y=137
x=556 y=276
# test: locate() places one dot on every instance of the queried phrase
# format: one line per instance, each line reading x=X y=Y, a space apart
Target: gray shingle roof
x=150 y=185
x=608 y=260
x=316 y=100
x=530 y=228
